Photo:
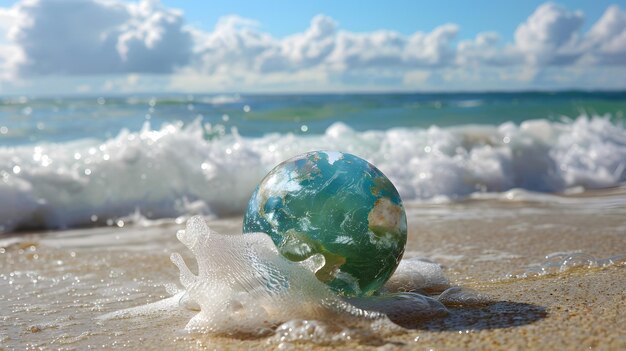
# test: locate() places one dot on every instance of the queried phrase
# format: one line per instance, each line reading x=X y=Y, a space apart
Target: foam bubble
x=561 y=262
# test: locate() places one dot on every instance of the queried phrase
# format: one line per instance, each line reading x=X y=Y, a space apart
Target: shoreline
x=53 y=285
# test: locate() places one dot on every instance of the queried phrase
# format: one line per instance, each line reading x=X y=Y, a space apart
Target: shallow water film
x=489 y=282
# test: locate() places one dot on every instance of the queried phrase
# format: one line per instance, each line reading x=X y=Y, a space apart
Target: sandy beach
x=54 y=286
x=335 y=175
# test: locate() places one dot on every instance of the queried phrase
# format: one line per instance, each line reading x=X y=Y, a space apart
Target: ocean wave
x=201 y=169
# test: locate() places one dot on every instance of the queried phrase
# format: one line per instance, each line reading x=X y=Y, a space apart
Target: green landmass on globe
x=338 y=205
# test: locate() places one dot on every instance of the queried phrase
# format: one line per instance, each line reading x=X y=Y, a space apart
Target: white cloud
x=11 y=57
x=384 y=50
x=96 y=37
x=237 y=44
x=550 y=36
x=236 y=50
x=92 y=37
x=237 y=53
x=314 y=45
x=606 y=40
x=302 y=50
x=484 y=50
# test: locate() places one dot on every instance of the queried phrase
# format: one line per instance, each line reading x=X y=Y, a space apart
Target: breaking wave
x=182 y=170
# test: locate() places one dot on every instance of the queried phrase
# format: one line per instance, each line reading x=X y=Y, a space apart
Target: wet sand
x=53 y=286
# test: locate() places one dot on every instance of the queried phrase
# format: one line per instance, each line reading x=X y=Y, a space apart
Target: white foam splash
x=244 y=287
x=195 y=169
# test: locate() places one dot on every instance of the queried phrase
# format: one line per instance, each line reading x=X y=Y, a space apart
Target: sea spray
x=185 y=170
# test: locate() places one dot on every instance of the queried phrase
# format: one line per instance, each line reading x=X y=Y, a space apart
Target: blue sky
x=282 y=18
x=116 y=46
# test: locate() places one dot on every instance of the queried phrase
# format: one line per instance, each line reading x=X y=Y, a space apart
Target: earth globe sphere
x=337 y=205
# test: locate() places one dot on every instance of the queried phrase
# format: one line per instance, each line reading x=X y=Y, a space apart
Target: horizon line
x=331 y=92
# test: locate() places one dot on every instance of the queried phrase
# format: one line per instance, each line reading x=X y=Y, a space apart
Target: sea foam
x=245 y=287
x=182 y=170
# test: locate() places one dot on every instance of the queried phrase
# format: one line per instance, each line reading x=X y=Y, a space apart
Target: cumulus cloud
x=550 y=35
x=302 y=50
x=484 y=50
x=384 y=49
x=234 y=44
x=90 y=37
x=237 y=43
x=96 y=37
x=606 y=41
